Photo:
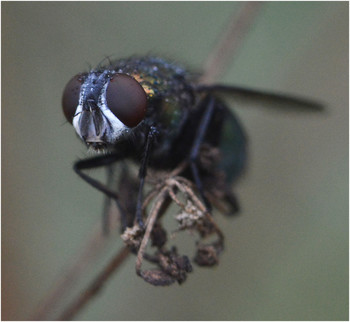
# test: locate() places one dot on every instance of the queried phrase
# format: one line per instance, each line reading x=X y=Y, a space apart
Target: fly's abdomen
x=227 y=135
x=233 y=147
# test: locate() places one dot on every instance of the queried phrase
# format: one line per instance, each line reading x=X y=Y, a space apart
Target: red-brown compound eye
x=126 y=99
x=70 y=98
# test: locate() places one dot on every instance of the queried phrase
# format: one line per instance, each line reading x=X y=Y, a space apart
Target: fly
x=155 y=113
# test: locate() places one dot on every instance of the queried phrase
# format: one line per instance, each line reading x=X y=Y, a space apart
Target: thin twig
x=225 y=49
x=95 y=286
x=88 y=254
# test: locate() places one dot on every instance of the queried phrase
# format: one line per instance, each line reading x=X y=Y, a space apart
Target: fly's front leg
x=200 y=135
x=143 y=172
x=96 y=162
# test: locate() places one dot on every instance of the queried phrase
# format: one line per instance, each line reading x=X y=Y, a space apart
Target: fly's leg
x=232 y=201
x=97 y=162
x=107 y=203
x=143 y=172
x=200 y=135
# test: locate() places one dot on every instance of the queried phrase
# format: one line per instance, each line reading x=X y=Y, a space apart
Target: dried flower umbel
x=172 y=188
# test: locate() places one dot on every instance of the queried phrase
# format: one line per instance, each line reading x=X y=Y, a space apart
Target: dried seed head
x=190 y=216
x=132 y=236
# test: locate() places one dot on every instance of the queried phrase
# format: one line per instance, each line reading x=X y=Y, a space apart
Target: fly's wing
x=263 y=99
x=233 y=142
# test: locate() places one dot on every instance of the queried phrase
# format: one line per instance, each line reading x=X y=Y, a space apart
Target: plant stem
x=95 y=286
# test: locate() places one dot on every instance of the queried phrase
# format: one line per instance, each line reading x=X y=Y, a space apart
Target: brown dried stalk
x=96 y=242
x=95 y=286
x=220 y=56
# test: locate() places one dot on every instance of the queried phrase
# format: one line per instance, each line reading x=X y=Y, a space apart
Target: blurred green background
x=286 y=256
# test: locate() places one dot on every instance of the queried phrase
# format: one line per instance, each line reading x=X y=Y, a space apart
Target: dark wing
x=261 y=98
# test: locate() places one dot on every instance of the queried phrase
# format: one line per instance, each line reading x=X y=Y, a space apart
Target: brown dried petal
x=207 y=255
x=175 y=265
x=157 y=278
x=158 y=236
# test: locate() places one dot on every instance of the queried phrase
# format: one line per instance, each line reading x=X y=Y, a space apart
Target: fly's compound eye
x=126 y=99
x=70 y=98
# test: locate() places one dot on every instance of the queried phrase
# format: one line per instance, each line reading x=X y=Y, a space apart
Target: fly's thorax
x=170 y=98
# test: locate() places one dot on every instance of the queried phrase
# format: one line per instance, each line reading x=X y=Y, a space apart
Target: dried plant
x=172 y=188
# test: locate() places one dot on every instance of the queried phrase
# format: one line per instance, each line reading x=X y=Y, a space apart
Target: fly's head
x=103 y=107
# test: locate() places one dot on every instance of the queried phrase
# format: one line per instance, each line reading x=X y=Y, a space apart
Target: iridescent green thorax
x=168 y=88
